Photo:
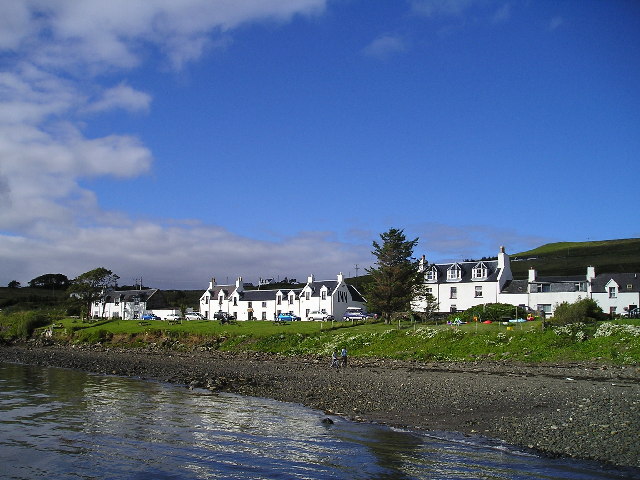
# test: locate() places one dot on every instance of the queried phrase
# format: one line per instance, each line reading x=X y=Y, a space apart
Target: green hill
x=572 y=258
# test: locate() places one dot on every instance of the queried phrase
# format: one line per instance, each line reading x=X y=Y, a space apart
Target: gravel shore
x=582 y=411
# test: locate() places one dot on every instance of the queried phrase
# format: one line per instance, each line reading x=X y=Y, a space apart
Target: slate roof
x=317 y=285
x=265 y=295
x=151 y=296
x=515 y=286
x=599 y=283
x=466 y=271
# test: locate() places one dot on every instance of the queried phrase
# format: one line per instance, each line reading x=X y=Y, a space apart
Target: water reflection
x=59 y=423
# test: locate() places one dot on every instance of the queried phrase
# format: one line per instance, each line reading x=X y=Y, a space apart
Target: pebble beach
x=586 y=411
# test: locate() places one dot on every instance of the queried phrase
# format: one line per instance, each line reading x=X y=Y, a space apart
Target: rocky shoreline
x=583 y=411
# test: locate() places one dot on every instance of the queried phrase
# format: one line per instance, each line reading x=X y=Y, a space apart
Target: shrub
x=491 y=311
x=581 y=311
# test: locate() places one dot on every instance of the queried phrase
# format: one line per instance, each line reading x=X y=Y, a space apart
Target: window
x=629 y=286
x=431 y=275
x=542 y=287
x=429 y=290
x=117 y=302
x=612 y=292
x=581 y=286
x=279 y=300
x=612 y=311
x=206 y=299
x=235 y=301
x=264 y=304
x=264 y=315
x=454 y=292
x=307 y=295
x=478 y=291
x=249 y=304
x=324 y=295
x=454 y=272
x=479 y=271
x=544 y=308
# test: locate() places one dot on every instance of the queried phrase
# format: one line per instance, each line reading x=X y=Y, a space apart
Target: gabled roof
x=466 y=271
x=622 y=279
x=355 y=294
x=316 y=286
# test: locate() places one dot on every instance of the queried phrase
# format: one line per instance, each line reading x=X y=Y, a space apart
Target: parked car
x=319 y=315
x=150 y=316
x=173 y=316
x=224 y=317
x=288 y=317
x=193 y=316
x=356 y=313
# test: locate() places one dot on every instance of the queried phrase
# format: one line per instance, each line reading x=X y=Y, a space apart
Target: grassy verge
x=615 y=342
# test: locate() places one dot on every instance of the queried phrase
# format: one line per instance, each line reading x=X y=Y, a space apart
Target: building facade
x=328 y=296
x=462 y=285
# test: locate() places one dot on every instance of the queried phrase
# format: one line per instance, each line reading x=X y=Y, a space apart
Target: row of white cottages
x=462 y=285
x=455 y=286
x=331 y=297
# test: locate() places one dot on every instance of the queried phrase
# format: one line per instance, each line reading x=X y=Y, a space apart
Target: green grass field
x=605 y=342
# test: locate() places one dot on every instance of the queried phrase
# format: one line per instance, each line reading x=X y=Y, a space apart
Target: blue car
x=288 y=317
x=150 y=316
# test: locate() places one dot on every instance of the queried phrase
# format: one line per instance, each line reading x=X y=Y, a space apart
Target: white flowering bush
x=425 y=333
x=575 y=330
x=609 y=329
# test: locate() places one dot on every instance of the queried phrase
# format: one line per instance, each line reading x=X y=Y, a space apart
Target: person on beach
x=334 y=359
x=343 y=355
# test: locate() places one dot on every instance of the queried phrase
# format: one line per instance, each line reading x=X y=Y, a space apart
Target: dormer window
x=480 y=271
x=431 y=275
x=454 y=273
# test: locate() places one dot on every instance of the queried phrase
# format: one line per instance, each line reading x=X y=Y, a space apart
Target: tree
x=14 y=284
x=50 y=280
x=90 y=286
x=396 y=280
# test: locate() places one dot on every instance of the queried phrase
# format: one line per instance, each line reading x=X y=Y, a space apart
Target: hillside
x=572 y=258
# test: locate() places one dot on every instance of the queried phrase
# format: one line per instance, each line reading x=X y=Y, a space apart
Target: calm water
x=65 y=424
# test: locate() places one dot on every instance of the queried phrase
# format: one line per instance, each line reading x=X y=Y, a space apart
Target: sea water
x=66 y=424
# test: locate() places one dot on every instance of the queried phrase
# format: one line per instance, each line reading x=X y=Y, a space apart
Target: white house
x=330 y=296
x=126 y=304
x=462 y=285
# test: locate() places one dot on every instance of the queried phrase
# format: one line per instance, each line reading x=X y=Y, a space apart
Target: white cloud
x=49 y=221
x=121 y=97
x=385 y=46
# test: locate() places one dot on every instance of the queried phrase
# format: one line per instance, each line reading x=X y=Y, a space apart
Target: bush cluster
x=581 y=311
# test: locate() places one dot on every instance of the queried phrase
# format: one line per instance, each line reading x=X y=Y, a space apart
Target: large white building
x=461 y=285
x=328 y=296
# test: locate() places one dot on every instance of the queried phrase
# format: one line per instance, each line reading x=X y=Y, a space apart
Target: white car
x=193 y=316
x=319 y=315
x=173 y=316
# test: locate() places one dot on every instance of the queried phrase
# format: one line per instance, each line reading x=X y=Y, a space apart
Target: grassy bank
x=615 y=342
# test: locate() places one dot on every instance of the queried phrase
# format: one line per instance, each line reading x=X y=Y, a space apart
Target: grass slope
x=606 y=342
x=572 y=258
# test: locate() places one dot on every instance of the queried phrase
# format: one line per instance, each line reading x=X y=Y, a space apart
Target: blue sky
x=182 y=140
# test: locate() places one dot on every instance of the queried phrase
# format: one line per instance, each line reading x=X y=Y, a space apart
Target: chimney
x=310 y=279
x=212 y=283
x=239 y=285
x=532 y=274
x=340 y=278
x=423 y=262
x=591 y=273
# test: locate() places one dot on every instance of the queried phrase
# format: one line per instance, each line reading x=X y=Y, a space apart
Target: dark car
x=224 y=317
x=150 y=316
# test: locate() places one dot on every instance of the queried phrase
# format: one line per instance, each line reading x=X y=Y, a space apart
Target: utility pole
x=357 y=268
